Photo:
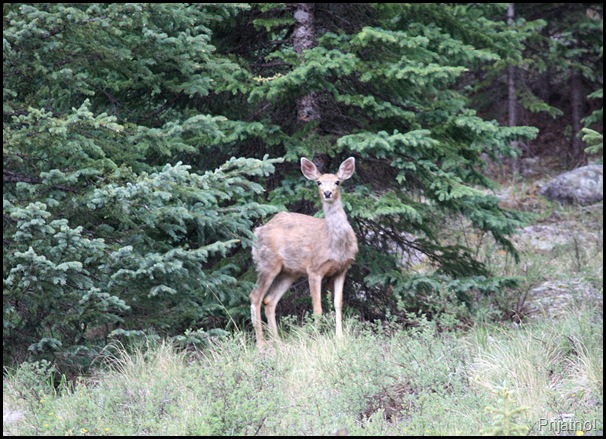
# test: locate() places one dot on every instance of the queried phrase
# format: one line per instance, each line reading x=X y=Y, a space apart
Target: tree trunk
x=511 y=98
x=308 y=108
x=577 y=148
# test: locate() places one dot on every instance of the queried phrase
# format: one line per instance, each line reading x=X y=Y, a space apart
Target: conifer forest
x=144 y=142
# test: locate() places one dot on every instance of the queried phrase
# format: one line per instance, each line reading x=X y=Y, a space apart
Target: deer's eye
x=319 y=183
x=337 y=183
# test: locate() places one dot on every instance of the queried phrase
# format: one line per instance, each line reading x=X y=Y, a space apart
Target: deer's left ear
x=347 y=169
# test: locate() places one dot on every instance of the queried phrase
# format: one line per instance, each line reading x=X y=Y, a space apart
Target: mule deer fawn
x=292 y=245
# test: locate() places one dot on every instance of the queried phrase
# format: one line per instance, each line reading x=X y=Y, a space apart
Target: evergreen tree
x=559 y=68
x=390 y=81
x=102 y=237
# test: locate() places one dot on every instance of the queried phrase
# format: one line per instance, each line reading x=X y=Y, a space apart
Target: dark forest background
x=144 y=142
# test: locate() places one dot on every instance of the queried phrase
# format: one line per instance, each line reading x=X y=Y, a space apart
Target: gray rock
x=556 y=298
x=580 y=186
x=12 y=415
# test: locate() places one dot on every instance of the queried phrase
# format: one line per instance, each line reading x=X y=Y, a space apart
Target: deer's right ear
x=309 y=170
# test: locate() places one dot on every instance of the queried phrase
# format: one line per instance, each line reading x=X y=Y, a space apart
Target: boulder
x=556 y=298
x=580 y=186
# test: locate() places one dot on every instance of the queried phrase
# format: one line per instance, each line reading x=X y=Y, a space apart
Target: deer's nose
x=327 y=194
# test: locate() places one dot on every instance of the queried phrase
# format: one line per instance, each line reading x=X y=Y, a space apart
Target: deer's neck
x=341 y=235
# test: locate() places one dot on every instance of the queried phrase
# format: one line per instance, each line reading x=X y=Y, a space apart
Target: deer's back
x=297 y=243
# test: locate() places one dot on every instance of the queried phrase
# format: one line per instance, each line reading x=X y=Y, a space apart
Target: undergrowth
x=379 y=379
x=505 y=372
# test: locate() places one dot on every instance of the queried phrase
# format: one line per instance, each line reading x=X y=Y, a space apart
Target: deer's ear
x=309 y=170
x=347 y=169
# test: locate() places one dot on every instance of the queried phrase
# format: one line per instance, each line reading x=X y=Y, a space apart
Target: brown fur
x=293 y=245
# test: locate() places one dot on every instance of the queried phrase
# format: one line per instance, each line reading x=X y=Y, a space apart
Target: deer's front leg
x=315 y=288
x=339 y=281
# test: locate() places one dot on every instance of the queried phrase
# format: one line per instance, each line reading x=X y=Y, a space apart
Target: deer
x=292 y=245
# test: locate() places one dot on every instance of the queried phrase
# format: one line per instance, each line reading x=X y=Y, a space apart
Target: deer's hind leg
x=264 y=281
x=281 y=285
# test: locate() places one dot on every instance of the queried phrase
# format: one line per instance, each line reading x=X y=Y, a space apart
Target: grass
x=378 y=380
x=540 y=376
